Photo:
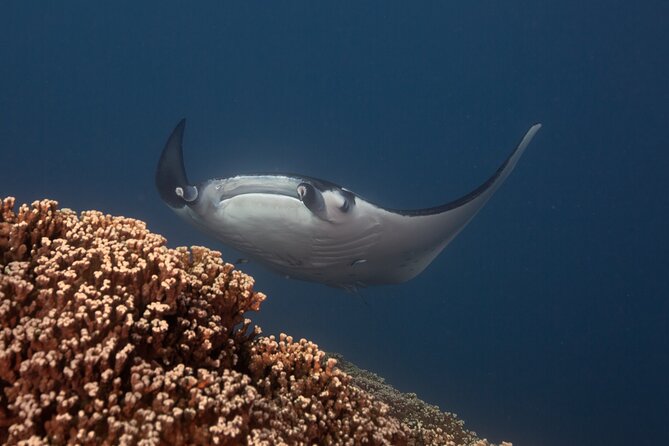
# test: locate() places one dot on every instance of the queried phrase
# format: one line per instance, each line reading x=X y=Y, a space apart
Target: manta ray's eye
x=307 y=193
x=303 y=191
x=311 y=197
x=188 y=193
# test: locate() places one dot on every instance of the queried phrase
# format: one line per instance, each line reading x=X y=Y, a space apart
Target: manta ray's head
x=324 y=200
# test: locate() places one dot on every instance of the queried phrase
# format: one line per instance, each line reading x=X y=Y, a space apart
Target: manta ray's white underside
x=313 y=230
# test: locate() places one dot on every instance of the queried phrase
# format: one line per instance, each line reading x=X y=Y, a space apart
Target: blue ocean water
x=543 y=323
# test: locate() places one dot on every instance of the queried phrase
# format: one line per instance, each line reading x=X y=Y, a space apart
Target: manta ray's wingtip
x=534 y=129
x=526 y=140
x=171 y=180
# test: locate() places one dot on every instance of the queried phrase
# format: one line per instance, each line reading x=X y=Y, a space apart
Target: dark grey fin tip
x=171 y=179
x=489 y=183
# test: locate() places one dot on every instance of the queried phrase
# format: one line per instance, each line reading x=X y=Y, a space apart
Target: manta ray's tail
x=171 y=179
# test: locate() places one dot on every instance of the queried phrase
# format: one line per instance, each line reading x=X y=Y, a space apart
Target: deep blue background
x=544 y=322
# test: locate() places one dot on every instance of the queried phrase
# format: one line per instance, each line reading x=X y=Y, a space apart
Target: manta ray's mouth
x=239 y=192
x=225 y=197
x=258 y=184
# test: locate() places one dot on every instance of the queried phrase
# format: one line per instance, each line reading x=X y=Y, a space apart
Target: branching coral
x=107 y=334
x=312 y=400
x=109 y=337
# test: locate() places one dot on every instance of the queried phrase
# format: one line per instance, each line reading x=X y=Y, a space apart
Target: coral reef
x=422 y=422
x=109 y=337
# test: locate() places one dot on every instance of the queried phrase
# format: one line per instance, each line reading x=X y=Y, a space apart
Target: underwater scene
x=403 y=223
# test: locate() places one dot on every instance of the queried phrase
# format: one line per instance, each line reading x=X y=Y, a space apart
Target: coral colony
x=109 y=337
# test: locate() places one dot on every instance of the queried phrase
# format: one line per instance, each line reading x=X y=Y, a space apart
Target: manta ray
x=311 y=229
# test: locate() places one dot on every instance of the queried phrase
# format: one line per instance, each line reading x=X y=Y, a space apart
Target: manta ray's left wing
x=413 y=238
